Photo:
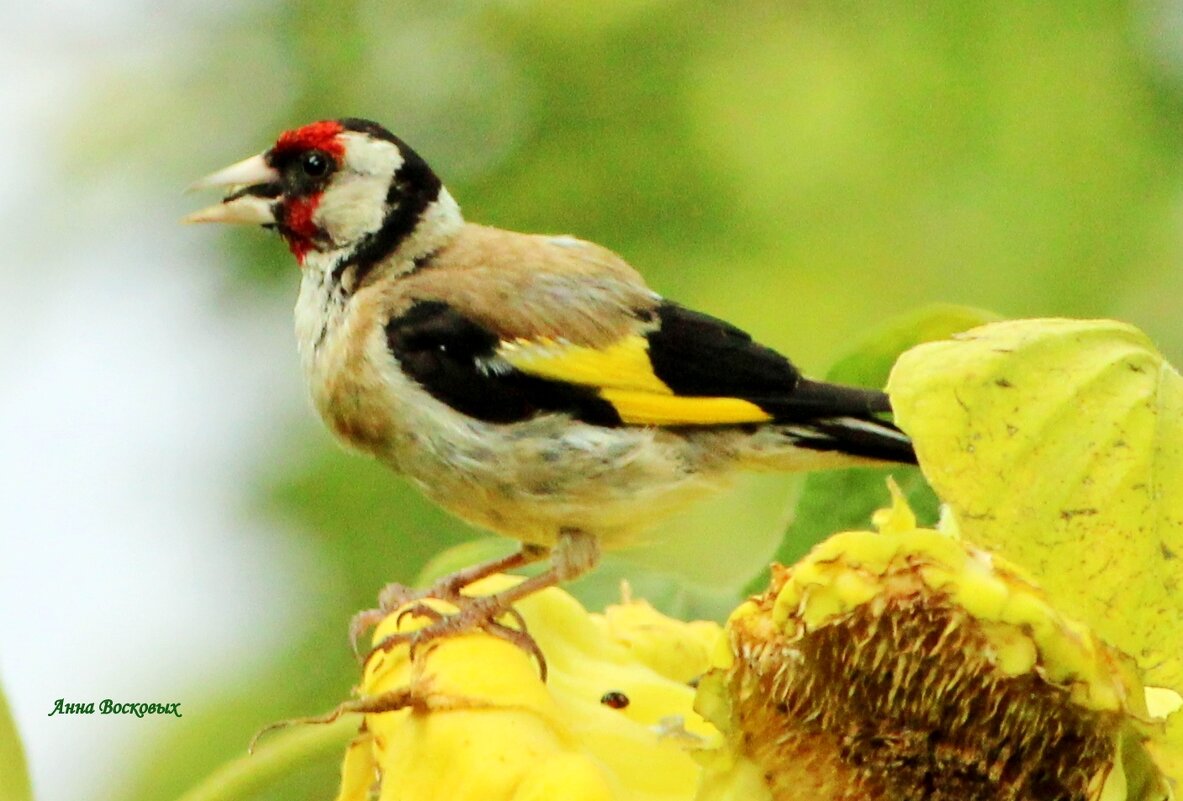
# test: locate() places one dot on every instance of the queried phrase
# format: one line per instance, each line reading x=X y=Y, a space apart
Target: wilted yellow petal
x=729 y=775
x=1168 y=748
x=358 y=769
x=471 y=719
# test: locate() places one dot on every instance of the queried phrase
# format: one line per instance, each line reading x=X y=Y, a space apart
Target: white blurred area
x=133 y=391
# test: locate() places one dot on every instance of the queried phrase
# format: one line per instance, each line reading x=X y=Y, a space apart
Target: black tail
x=870 y=439
x=832 y=417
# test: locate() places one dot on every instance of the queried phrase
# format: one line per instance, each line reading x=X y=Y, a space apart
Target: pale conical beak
x=247 y=172
x=244 y=209
x=253 y=204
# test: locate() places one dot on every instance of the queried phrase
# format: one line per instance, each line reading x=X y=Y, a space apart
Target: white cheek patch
x=351 y=207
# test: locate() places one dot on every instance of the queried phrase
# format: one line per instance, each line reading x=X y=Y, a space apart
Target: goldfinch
x=531 y=385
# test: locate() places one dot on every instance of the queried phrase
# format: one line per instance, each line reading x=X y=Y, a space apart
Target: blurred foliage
x=15 y=786
x=296 y=762
x=807 y=170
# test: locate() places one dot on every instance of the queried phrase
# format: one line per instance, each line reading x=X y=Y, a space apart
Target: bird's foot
x=491 y=614
x=575 y=553
x=394 y=597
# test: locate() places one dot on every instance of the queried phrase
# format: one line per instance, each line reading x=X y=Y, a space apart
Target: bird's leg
x=576 y=553
x=447 y=588
x=450 y=585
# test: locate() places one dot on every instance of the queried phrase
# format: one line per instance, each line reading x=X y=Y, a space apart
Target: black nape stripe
x=414 y=187
x=442 y=350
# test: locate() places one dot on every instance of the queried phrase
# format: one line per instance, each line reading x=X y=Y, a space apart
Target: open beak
x=255 y=187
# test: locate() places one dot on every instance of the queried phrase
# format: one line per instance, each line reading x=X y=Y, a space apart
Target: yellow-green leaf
x=1059 y=444
x=14 y=780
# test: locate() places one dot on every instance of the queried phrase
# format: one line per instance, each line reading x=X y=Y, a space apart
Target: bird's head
x=342 y=193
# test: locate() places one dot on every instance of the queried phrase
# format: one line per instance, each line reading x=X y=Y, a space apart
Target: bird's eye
x=314 y=164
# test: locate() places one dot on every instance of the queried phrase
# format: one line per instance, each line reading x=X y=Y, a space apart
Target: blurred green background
x=807 y=170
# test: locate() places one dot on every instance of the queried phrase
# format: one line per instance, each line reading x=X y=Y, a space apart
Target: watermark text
x=109 y=707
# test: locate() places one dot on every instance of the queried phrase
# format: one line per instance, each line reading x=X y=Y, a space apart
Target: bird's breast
x=346 y=386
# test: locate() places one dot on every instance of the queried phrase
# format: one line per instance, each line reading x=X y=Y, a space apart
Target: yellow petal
x=482 y=724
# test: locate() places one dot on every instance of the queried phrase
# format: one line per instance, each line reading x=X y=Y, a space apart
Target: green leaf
x=15 y=785
x=1059 y=445
x=869 y=364
x=845 y=499
x=276 y=768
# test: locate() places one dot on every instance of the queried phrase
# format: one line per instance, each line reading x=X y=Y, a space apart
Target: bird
x=532 y=385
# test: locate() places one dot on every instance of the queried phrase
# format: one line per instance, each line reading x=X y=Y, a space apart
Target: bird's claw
x=474 y=614
x=392 y=598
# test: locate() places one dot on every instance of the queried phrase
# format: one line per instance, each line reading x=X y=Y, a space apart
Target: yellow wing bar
x=643 y=408
x=622 y=365
x=623 y=375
